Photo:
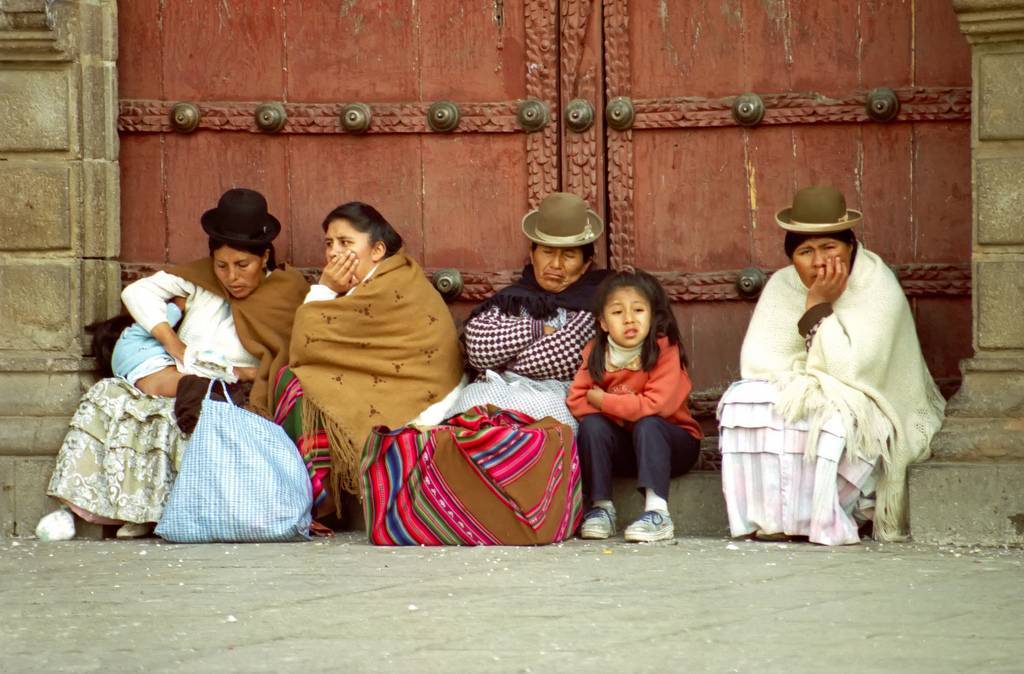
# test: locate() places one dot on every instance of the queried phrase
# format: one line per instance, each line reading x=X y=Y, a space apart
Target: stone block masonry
x=971 y=490
x=59 y=230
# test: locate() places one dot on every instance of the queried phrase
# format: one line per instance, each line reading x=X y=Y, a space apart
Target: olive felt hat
x=820 y=209
x=241 y=217
x=562 y=221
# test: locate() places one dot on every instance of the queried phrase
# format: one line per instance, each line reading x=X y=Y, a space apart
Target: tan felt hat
x=562 y=221
x=820 y=209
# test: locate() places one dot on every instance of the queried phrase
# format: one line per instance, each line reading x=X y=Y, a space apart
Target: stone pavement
x=341 y=605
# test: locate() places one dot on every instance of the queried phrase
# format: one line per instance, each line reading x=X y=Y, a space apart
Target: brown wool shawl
x=263 y=321
x=379 y=356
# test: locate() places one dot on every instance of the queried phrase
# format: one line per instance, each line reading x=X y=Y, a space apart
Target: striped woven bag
x=484 y=477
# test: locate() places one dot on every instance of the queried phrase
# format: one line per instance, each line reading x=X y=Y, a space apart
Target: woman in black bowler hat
x=117 y=463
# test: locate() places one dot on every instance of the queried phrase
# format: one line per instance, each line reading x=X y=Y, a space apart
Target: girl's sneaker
x=598 y=523
x=649 y=527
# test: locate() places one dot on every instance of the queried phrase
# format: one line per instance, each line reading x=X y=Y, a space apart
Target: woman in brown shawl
x=119 y=458
x=374 y=345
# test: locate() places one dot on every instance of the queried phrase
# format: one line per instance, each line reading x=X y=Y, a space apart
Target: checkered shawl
x=528 y=295
x=499 y=342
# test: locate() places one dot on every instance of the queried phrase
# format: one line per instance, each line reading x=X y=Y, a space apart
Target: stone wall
x=59 y=229
x=972 y=491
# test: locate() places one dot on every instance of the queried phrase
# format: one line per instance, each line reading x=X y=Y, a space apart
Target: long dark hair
x=253 y=249
x=663 y=321
x=368 y=220
x=104 y=336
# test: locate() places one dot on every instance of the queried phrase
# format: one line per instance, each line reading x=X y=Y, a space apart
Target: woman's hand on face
x=830 y=283
x=595 y=397
x=339 y=274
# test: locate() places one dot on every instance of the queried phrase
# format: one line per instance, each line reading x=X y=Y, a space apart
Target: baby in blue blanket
x=138 y=354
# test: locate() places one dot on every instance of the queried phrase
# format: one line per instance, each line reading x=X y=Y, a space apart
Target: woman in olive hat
x=836 y=399
x=525 y=341
x=118 y=460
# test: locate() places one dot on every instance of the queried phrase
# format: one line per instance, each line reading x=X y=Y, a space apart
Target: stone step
x=967 y=503
x=695 y=502
x=951 y=502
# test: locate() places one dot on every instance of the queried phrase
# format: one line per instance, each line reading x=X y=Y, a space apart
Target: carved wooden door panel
x=695 y=173
x=439 y=113
x=455 y=117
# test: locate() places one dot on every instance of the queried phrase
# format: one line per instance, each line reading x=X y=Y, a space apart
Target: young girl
x=630 y=396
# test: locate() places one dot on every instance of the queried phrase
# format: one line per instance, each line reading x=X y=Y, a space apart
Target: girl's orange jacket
x=631 y=395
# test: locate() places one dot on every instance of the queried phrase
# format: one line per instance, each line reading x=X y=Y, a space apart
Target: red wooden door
x=689 y=193
x=456 y=196
x=693 y=193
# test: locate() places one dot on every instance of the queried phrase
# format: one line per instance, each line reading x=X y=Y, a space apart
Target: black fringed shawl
x=539 y=303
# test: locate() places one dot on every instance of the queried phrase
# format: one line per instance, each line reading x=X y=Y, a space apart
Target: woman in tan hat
x=525 y=341
x=836 y=399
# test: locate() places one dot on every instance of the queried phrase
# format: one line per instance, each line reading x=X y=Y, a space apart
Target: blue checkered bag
x=241 y=481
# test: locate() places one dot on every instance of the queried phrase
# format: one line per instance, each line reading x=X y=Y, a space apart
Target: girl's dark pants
x=654 y=451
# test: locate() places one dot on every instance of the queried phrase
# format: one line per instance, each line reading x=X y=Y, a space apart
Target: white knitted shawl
x=865 y=363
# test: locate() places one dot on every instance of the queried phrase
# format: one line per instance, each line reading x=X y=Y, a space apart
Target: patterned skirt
x=769 y=484
x=313 y=445
x=484 y=477
x=120 y=456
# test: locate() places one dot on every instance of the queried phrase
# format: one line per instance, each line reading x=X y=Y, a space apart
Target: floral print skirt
x=120 y=456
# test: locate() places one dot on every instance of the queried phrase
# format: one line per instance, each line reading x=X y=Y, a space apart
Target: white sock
x=654 y=502
x=57 y=526
x=606 y=504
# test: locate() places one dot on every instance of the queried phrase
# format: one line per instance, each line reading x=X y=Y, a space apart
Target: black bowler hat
x=241 y=217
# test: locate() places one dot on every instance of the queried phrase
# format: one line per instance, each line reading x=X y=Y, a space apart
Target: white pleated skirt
x=768 y=484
